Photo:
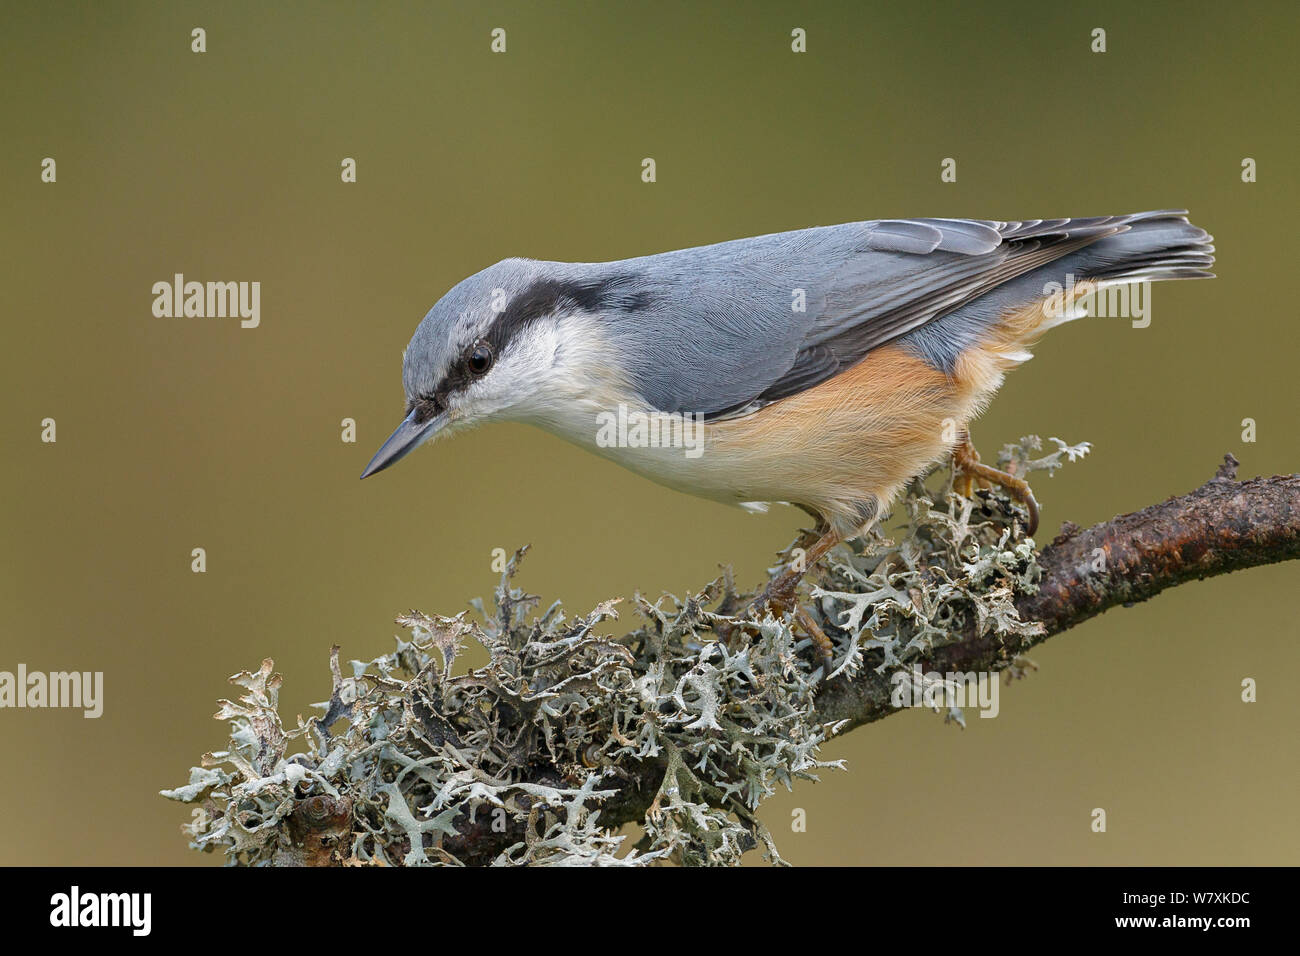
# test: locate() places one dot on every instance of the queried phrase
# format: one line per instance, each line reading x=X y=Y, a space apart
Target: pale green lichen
x=957 y=559
x=516 y=762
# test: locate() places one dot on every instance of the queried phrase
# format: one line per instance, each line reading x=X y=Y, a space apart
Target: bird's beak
x=408 y=436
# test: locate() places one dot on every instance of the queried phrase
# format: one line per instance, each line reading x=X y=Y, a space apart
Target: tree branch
x=1223 y=526
x=469 y=769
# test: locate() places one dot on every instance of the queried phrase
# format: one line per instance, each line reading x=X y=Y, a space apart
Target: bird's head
x=518 y=341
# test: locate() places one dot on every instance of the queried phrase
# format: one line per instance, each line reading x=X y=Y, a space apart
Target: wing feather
x=724 y=338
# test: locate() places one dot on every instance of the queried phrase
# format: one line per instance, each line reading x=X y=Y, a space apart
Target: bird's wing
x=728 y=335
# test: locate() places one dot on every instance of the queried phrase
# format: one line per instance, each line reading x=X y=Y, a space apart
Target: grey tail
x=1155 y=246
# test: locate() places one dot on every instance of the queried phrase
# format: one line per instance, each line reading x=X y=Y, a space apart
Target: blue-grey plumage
x=826 y=361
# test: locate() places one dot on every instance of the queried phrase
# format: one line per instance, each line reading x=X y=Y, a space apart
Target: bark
x=1225 y=525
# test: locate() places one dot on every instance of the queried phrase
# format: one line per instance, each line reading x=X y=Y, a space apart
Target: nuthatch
x=823 y=367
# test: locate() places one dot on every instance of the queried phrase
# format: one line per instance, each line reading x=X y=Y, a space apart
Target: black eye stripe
x=544 y=297
x=425 y=407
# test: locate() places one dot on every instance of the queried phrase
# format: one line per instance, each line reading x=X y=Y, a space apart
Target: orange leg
x=968 y=469
x=780 y=594
x=825 y=650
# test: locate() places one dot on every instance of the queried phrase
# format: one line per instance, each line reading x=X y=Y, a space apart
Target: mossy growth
x=684 y=725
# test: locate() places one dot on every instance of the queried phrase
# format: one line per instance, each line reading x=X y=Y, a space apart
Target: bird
x=822 y=367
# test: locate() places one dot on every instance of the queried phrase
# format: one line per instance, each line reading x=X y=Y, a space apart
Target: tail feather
x=1155 y=246
x=1146 y=246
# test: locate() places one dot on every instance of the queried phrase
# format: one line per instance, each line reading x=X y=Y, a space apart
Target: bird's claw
x=968 y=469
x=781 y=596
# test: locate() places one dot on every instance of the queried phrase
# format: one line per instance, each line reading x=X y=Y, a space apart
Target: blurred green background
x=183 y=433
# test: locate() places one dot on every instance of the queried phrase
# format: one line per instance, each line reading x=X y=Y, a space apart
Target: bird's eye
x=480 y=359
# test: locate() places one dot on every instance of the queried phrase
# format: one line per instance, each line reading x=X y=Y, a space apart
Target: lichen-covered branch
x=1225 y=525
x=687 y=723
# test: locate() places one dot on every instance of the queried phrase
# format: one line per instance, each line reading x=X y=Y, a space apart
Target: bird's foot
x=821 y=643
x=968 y=471
x=781 y=593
